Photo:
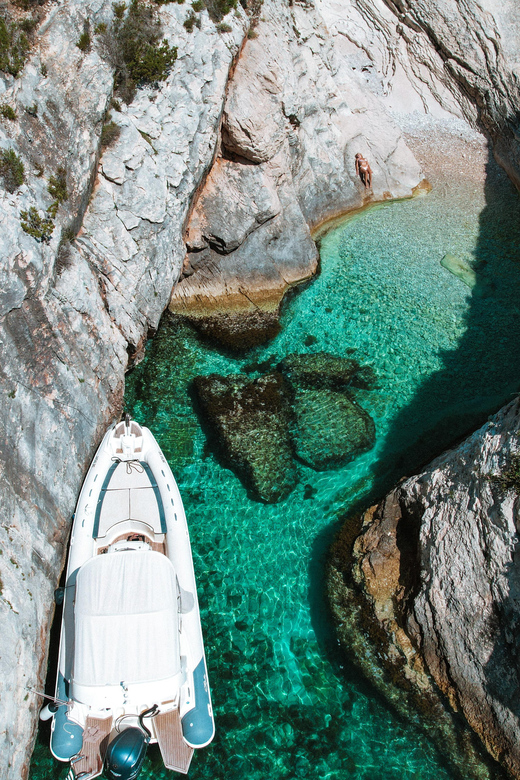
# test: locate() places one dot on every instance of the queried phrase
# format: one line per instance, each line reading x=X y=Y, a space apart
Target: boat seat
x=129 y=492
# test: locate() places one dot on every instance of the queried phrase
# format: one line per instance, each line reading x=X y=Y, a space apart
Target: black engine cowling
x=125 y=754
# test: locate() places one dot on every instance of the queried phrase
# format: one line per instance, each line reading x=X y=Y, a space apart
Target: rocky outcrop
x=319 y=83
x=293 y=121
x=460 y=57
x=436 y=563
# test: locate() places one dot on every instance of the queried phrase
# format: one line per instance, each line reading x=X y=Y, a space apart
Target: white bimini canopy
x=126 y=628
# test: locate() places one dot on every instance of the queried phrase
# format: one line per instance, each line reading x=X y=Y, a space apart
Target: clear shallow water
x=445 y=356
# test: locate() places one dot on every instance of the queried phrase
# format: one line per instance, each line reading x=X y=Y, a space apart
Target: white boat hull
x=130 y=507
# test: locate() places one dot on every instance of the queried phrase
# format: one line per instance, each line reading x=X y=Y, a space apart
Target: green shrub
x=14 y=46
x=198 y=5
x=109 y=134
x=119 y=10
x=133 y=47
x=58 y=185
x=224 y=27
x=217 y=9
x=7 y=112
x=509 y=478
x=32 y=110
x=11 y=169
x=116 y=105
x=43 y=70
x=190 y=22
x=84 y=42
x=28 y=25
x=152 y=63
x=68 y=235
x=100 y=28
x=64 y=253
x=38 y=227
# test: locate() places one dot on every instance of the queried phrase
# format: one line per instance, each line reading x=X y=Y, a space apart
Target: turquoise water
x=286 y=705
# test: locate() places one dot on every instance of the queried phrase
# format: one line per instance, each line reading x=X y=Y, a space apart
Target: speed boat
x=131 y=668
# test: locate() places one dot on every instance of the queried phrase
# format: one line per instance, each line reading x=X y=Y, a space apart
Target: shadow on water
x=483 y=372
x=477 y=377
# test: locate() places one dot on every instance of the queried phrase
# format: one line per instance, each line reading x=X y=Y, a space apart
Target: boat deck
x=89 y=761
x=175 y=753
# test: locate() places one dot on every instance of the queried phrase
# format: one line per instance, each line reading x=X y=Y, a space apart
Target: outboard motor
x=126 y=753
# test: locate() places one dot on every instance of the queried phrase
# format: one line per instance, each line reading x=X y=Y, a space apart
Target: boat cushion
x=126 y=622
x=129 y=492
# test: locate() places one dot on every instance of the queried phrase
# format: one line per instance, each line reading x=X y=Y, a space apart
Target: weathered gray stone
x=437 y=559
x=253 y=124
x=236 y=200
x=255 y=276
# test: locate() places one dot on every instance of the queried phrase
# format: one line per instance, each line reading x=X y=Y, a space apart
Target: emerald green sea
x=287 y=703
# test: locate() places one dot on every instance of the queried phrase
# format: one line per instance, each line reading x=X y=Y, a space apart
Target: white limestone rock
x=467 y=604
x=70 y=320
x=235 y=201
x=253 y=123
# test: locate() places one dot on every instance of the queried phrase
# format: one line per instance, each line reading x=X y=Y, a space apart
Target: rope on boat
x=46 y=696
x=131 y=465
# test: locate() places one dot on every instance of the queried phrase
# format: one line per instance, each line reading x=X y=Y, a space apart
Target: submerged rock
x=460 y=268
x=250 y=421
x=259 y=426
x=237 y=331
x=321 y=370
x=329 y=428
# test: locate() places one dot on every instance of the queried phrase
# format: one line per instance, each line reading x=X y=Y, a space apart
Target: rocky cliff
x=436 y=567
x=84 y=288
x=73 y=314
x=296 y=113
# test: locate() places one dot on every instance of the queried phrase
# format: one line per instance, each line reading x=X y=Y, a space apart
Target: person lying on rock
x=363 y=170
